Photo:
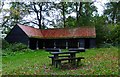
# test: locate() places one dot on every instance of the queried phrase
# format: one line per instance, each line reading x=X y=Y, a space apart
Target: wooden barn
x=81 y=37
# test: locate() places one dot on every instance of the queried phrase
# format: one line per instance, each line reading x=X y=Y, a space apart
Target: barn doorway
x=49 y=43
x=40 y=43
x=72 y=43
x=33 y=43
x=61 y=43
x=87 y=43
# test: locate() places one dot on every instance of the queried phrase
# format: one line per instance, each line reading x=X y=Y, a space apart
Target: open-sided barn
x=81 y=37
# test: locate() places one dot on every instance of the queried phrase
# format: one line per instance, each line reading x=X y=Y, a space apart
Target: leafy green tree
x=63 y=6
x=16 y=13
x=113 y=12
x=86 y=14
x=101 y=29
x=37 y=8
x=115 y=35
x=70 y=22
x=19 y=10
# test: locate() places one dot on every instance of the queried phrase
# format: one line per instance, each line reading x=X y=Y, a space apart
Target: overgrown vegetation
x=12 y=48
x=107 y=34
x=99 y=61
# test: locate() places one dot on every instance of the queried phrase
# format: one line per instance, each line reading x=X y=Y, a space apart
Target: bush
x=106 y=45
x=11 y=49
x=18 y=47
x=115 y=35
x=5 y=44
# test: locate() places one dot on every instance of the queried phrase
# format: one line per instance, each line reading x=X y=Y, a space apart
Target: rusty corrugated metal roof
x=80 y=32
x=31 y=32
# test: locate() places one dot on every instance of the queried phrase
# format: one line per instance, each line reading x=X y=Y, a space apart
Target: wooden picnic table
x=71 y=53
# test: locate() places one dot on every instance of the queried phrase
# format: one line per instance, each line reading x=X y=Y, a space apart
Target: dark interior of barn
x=59 y=43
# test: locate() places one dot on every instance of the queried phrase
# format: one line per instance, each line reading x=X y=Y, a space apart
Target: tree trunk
x=63 y=9
x=79 y=12
x=77 y=16
x=40 y=19
x=80 y=9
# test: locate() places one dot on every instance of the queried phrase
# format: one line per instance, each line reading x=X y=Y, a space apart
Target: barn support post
x=37 y=45
x=78 y=44
x=54 y=44
x=28 y=44
x=66 y=44
x=43 y=45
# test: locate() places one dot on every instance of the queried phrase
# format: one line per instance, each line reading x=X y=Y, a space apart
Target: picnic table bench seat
x=52 y=57
x=60 y=56
x=58 y=61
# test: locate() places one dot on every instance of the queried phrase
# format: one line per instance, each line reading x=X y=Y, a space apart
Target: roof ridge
x=69 y=28
x=83 y=31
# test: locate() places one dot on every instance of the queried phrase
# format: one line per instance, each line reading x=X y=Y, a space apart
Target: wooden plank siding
x=17 y=35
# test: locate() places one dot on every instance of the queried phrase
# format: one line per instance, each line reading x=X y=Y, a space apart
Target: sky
x=100 y=4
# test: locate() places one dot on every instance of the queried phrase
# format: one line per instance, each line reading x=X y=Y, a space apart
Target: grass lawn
x=99 y=61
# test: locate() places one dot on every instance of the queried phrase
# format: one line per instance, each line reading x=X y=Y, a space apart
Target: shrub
x=18 y=47
x=11 y=49
x=5 y=44
x=106 y=45
x=115 y=35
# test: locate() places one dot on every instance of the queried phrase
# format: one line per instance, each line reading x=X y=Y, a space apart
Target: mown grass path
x=99 y=61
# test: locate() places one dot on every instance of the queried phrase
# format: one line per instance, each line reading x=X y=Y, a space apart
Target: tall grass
x=98 y=61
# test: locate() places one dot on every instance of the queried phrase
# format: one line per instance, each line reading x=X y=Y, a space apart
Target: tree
x=71 y=22
x=63 y=11
x=37 y=8
x=12 y=16
x=84 y=14
x=115 y=35
x=78 y=11
x=112 y=12
x=100 y=30
x=42 y=11
x=43 y=14
x=19 y=11
x=63 y=7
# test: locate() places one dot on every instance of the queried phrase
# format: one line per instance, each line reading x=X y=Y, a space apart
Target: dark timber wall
x=49 y=43
x=17 y=35
x=72 y=43
x=92 y=43
x=33 y=43
x=62 y=43
x=41 y=43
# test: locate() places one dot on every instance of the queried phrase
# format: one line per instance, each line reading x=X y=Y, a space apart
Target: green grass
x=102 y=61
